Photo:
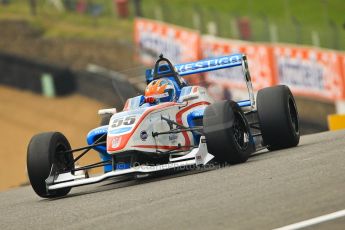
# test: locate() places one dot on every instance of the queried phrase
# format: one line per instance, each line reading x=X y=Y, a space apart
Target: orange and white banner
x=176 y=43
x=309 y=72
x=259 y=61
x=342 y=69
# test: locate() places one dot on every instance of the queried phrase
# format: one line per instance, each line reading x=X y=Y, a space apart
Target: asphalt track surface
x=271 y=190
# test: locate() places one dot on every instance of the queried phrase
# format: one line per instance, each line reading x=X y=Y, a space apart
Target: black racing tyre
x=278 y=117
x=44 y=150
x=227 y=132
x=105 y=119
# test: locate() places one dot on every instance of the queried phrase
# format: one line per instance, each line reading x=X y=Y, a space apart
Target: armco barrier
x=109 y=88
x=27 y=74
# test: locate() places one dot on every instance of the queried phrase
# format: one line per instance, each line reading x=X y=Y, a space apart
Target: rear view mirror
x=106 y=111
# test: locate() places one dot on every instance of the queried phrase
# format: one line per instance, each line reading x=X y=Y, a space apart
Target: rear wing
x=211 y=64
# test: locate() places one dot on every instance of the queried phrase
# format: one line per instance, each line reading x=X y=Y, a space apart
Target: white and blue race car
x=173 y=125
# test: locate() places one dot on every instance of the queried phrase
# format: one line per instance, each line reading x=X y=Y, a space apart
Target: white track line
x=313 y=221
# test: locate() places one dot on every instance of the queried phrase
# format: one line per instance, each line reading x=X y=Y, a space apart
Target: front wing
x=198 y=156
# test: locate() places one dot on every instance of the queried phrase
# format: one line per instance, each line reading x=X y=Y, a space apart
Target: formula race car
x=173 y=125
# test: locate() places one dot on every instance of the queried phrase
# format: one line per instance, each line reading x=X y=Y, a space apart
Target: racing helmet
x=160 y=90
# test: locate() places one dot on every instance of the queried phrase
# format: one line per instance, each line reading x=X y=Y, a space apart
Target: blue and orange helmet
x=160 y=90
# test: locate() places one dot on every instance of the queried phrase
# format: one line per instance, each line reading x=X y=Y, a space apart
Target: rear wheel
x=44 y=150
x=278 y=117
x=227 y=132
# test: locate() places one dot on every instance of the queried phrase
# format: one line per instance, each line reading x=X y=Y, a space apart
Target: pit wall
x=28 y=74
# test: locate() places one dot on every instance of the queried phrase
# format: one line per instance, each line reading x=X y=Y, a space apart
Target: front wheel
x=278 y=117
x=227 y=132
x=44 y=150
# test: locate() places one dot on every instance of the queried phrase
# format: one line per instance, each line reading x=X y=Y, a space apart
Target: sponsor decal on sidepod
x=143 y=135
x=115 y=142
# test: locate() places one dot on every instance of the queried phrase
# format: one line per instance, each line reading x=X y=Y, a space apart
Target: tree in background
x=32 y=4
x=4 y=2
x=57 y=4
x=137 y=8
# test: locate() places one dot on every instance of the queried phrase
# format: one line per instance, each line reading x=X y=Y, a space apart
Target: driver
x=160 y=90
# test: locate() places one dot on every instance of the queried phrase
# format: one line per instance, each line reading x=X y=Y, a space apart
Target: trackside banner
x=311 y=72
x=259 y=61
x=342 y=69
x=153 y=38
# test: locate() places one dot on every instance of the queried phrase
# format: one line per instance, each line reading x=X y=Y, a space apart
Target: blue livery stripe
x=120 y=130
